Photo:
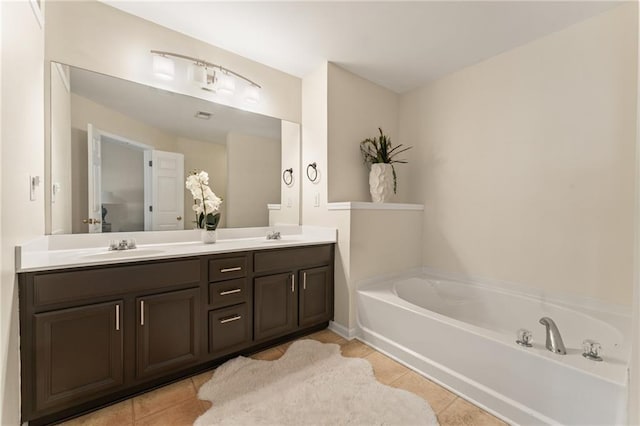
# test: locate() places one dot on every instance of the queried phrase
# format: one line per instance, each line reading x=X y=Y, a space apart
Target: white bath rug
x=311 y=384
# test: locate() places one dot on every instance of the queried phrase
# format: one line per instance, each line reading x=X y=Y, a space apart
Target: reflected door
x=166 y=201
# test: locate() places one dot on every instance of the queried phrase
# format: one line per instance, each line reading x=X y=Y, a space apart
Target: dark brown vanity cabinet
x=300 y=295
x=230 y=300
x=167 y=331
x=78 y=353
x=93 y=335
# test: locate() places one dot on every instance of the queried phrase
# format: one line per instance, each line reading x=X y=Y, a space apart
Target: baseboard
x=341 y=330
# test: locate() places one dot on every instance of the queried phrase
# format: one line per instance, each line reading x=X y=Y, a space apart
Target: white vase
x=381 y=182
x=208 y=237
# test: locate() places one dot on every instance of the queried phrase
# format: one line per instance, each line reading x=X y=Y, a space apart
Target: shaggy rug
x=311 y=384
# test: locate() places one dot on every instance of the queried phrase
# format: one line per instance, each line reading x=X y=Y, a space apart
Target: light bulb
x=198 y=74
x=252 y=95
x=163 y=67
x=227 y=84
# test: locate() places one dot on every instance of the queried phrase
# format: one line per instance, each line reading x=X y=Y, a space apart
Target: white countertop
x=52 y=252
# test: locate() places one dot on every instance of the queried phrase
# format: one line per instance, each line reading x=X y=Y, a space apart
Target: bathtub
x=462 y=335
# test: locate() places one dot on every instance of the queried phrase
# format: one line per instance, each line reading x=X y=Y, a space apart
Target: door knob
x=179 y=218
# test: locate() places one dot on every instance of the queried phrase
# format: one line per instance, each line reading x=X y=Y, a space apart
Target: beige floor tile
x=201 y=379
x=181 y=414
x=270 y=354
x=386 y=369
x=463 y=413
x=160 y=399
x=438 y=397
x=326 y=336
x=116 y=414
x=355 y=349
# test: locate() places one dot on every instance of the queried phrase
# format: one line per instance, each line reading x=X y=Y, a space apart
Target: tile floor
x=177 y=404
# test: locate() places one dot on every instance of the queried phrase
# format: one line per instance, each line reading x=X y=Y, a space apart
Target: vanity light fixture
x=209 y=76
x=163 y=67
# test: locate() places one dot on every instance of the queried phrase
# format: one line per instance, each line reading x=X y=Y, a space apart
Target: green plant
x=380 y=150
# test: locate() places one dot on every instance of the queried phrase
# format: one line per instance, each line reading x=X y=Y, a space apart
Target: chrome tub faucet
x=554 y=341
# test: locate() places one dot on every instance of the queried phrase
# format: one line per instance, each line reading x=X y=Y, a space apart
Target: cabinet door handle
x=293 y=283
x=142 y=312
x=225 y=293
x=230 y=319
x=236 y=268
x=304 y=280
x=118 y=317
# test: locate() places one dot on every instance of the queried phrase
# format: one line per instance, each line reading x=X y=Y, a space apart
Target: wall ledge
x=361 y=205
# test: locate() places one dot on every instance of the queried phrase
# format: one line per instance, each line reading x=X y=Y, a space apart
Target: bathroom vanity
x=94 y=334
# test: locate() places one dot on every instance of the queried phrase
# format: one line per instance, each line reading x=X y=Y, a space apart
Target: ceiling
x=399 y=45
x=171 y=112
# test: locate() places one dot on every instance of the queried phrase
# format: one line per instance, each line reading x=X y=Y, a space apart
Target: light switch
x=34 y=182
x=289 y=202
x=316 y=200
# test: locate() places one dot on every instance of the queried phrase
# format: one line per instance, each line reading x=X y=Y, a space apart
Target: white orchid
x=206 y=204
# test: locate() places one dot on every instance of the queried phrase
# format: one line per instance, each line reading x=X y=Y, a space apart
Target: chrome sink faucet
x=123 y=244
x=554 y=341
x=275 y=235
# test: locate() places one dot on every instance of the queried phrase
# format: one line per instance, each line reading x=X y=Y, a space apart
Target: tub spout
x=554 y=340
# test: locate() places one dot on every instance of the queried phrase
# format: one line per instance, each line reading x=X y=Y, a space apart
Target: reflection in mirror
x=120 y=152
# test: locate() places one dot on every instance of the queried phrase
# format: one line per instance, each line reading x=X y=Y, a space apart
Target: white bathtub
x=463 y=336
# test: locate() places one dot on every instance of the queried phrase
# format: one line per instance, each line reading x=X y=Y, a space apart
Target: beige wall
x=253 y=179
x=634 y=369
x=61 y=149
x=212 y=158
x=526 y=162
x=21 y=155
x=356 y=109
x=94 y=36
x=289 y=212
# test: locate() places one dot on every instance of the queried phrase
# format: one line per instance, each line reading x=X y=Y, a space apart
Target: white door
x=165 y=206
x=94 y=181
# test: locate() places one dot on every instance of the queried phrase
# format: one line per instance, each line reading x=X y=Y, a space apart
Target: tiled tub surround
x=67 y=251
x=463 y=336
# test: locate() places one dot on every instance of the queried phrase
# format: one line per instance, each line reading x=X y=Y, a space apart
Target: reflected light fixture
x=208 y=76
x=163 y=67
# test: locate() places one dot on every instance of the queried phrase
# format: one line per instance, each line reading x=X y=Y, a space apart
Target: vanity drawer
x=227 y=268
x=229 y=329
x=60 y=287
x=227 y=293
x=288 y=259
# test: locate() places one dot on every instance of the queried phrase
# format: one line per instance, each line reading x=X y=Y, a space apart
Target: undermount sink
x=282 y=240
x=122 y=253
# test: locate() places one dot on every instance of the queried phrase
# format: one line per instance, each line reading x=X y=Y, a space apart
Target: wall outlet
x=316 y=200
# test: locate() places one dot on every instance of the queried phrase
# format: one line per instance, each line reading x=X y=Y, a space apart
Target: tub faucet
x=554 y=340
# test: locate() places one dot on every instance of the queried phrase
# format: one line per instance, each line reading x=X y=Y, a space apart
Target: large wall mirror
x=120 y=152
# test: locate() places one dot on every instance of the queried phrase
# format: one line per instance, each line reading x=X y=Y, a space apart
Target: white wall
x=253 y=179
x=525 y=162
x=60 y=150
x=356 y=109
x=21 y=155
x=289 y=212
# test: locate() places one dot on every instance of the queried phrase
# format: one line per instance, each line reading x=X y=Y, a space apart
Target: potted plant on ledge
x=380 y=156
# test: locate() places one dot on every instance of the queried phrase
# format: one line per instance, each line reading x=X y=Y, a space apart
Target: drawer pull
x=230 y=319
x=234 y=291
x=117 y=317
x=237 y=268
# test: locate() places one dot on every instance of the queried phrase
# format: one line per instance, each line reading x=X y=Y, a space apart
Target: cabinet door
x=274 y=305
x=316 y=298
x=78 y=355
x=168 y=331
